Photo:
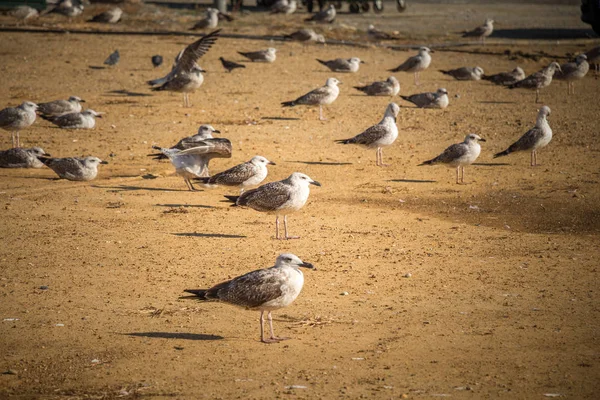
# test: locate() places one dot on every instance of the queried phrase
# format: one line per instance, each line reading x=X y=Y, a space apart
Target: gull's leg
x=286 y=231
x=377 y=157
x=531 y=161
x=462 y=175
x=537 y=95
x=277 y=227
x=321 y=113
x=262 y=330
x=381 y=164
x=187 y=183
x=457 y=174
x=12 y=135
x=535 y=158
x=273 y=337
x=18 y=139
x=192 y=188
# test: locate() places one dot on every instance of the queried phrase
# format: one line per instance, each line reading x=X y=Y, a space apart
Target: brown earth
x=502 y=298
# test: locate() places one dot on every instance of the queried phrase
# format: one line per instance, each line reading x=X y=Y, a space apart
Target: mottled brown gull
x=74 y=168
x=459 y=155
x=538 y=80
x=14 y=119
x=61 y=107
x=267 y=55
x=437 y=99
x=573 y=71
x=389 y=87
x=77 y=120
x=464 y=73
x=416 y=64
x=506 y=78
x=324 y=95
x=343 y=64
x=250 y=173
x=19 y=157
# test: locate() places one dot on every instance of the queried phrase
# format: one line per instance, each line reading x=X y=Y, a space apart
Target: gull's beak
x=362 y=62
x=216 y=131
x=339 y=83
x=103 y=162
x=82 y=101
x=315 y=183
x=47 y=155
x=99 y=116
x=482 y=140
x=272 y=163
x=307 y=265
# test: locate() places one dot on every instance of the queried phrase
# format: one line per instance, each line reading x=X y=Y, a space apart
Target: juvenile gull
x=74 y=168
x=267 y=55
x=537 y=137
x=458 y=155
x=573 y=71
x=250 y=173
x=13 y=119
x=389 y=87
x=437 y=99
x=343 y=64
x=538 y=80
x=594 y=58
x=324 y=95
x=306 y=35
x=284 y=7
x=506 y=78
x=380 y=135
x=327 y=16
x=482 y=31
x=113 y=59
x=264 y=290
x=416 y=64
x=111 y=16
x=230 y=65
x=279 y=198
x=464 y=73
x=210 y=20
x=19 y=157
x=377 y=34
x=60 y=107
x=157 y=61
x=76 y=120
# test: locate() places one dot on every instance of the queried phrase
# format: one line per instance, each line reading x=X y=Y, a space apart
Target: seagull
x=437 y=99
x=458 y=155
x=538 y=80
x=284 y=7
x=389 y=87
x=267 y=55
x=74 y=168
x=230 y=65
x=13 y=119
x=24 y=13
x=186 y=75
x=343 y=64
x=19 y=157
x=594 y=58
x=482 y=31
x=188 y=163
x=210 y=20
x=279 y=198
x=68 y=8
x=327 y=16
x=60 y=107
x=157 y=61
x=573 y=71
x=377 y=34
x=380 y=135
x=465 y=73
x=324 y=95
x=537 y=137
x=416 y=64
x=75 y=120
x=305 y=35
x=264 y=290
x=506 y=78
x=250 y=173
x=113 y=59
x=111 y=16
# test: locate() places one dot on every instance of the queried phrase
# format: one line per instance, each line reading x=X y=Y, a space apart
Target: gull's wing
x=250 y=290
x=314 y=96
x=233 y=176
x=451 y=153
x=194 y=51
x=267 y=197
x=371 y=135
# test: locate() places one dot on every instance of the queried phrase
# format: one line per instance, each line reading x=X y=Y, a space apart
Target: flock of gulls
x=272 y=288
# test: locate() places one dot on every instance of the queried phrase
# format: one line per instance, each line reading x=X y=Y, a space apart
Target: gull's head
x=331 y=7
x=260 y=160
x=93 y=113
x=423 y=50
x=291 y=260
x=271 y=50
x=442 y=92
x=518 y=70
x=93 y=161
x=478 y=71
x=38 y=152
x=581 y=58
x=554 y=66
x=206 y=131
x=332 y=82
x=489 y=21
x=392 y=80
x=212 y=11
x=356 y=60
x=392 y=109
x=76 y=99
x=544 y=112
x=303 y=179
x=319 y=38
x=472 y=137
x=29 y=106
x=371 y=27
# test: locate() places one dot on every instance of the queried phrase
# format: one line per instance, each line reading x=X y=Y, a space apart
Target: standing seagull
x=230 y=65
x=19 y=157
x=13 y=119
x=76 y=120
x=482 y=31
x=324 y=95
x=343 y=64
x=265 y=290
x=267 y=56
x=380 y=135
x=506 y=78
x=74 y=168
x=327 y=16
x=465 y=73
x=537 y=137
x=458 y=155
x=250 y=173
x=389 y=87
x=538 y=80
x=210 y=20
x=416 y=64
x=279 y=198
x=437 y=99
x=61 y=107
x=111 y=16
x=573 y=71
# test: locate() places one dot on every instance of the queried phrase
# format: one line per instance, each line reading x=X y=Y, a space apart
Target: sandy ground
x=502 y=298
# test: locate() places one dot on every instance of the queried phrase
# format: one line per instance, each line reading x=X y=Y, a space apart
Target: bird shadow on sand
x=175 y=335
x=124 y=92
x=96 y=67
x=321 y=163
x=127 y=188
x=184 y=205
x=210 y=235
x=411 y=181
x=492 y=164
x=282 y=118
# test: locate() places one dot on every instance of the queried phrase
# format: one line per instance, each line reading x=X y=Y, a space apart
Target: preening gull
x=267 y=55
x=76 y=120
x=113 y=59
x=458 y=155
x=343 y=64
x=506 y=78
x=210 y=20
x=19 y=157
x=279 y=198
x=60 y=107
x=284 y=7
x=380 y=135
x=482 y=31
x=324 y=95
x=537 y=137
x=13 y=119
x=437 y=99
x=538 y=80
x=305 y=35
x=230 y=65
x=74 y=168
x=465 y=73
x=377 y=34
x=264 y=290
x=389 y=87
x=327 y=16
x=250 y=173
x=416 y=64
x=111 y=16
x=573 y=71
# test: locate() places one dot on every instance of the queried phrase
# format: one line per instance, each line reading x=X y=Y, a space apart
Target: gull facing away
x=267 y=56
x=573 y=71
x=389 y=87
x=74 y=168
x=464 y=73
x=437 y=99
x=324 y=95
x=506 y=78
x=538 y=80
x=343 y=64
x=327 y=16
x=284 y=7
x=537 y=137
x=376 y=34
x=482 y=31
x=250 y=173
x=113 y=59
x=279 y=198
x=264 y=290
x=416 y=64
x=76 y=120
x=186 y=75
x=19 y=157
x=230 y=65
x=14 y=119
x=594 y=58
x=305 y=35
x=210 y=20
x=458 y=155
x=377 y=136
x=61 y=107
x=111 y=16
